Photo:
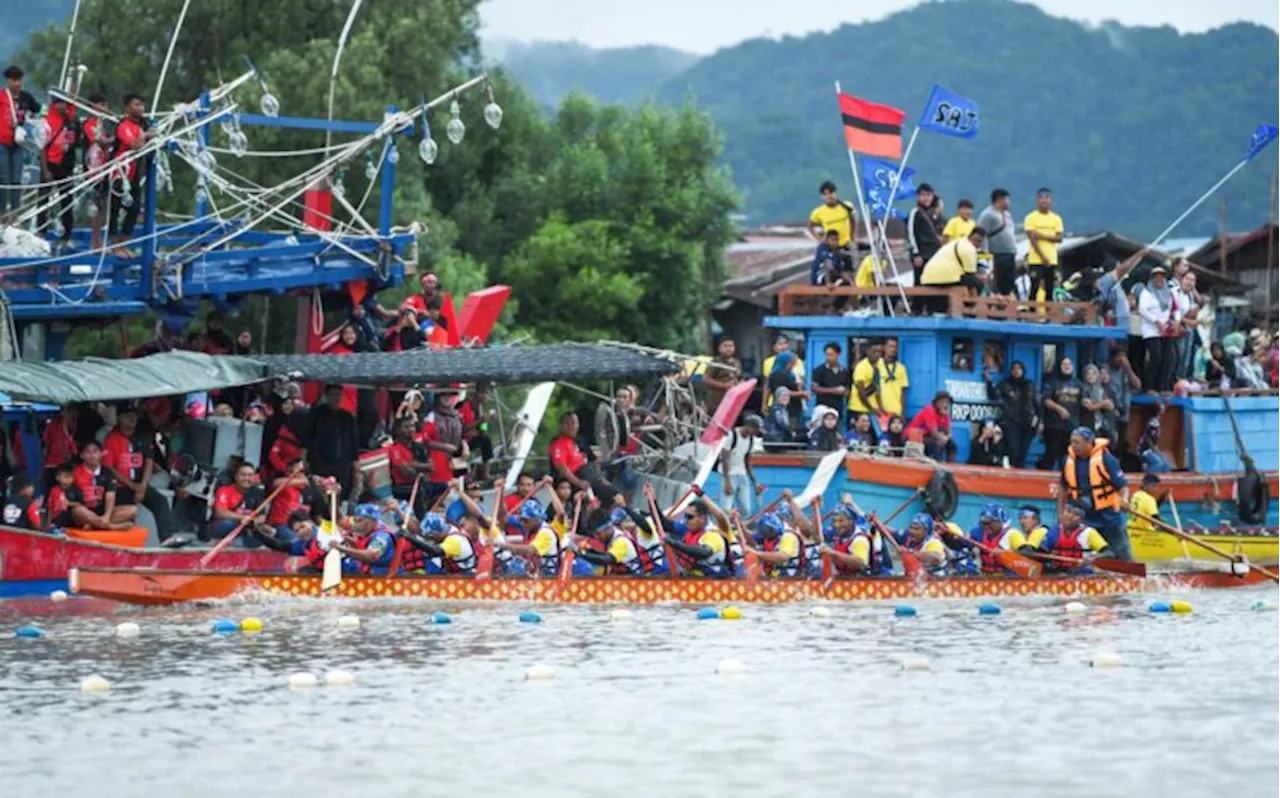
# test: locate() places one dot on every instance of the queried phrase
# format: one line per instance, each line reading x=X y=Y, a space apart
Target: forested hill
x=1127 y=125
x=550 y=70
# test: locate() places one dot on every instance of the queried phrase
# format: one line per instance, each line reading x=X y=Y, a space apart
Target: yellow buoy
x=1180 y=606
x=251 y=625
x=731 y=614
x=94 y=684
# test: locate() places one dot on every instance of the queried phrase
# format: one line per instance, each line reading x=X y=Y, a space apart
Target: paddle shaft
x=667 y=551
x=1173 y=505
x=1024 y=567
x=1106 y=564
x=235 y=533
x=1163 y=527
x=911 y=564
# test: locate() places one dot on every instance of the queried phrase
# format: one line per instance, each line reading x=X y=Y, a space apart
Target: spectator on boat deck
x=952 y=265
x=829 y=267
x=15 y=104
x=865 y=395
x=960 y=225
x=570 y=463
x=234 y=503
x=893 y=381
x=783 y=375
x=59 y=164
x=58 y=504
x=824 y=429
x=22 y=506
x=442 y=435
x=215 y=341
x=923 y=240
x=778 y=422
x=92 y=495
x=1094 y=401
x=132 y=133
x=331 y=439
x=1160 y=331
x=408 y=464
x=165 y=339
x=1220 y=372
x=435 y=327
x=893 y=439
x=988 y=447
x=1113 y=301
x=1044 y=230
x=739 y=486
x=1019 y=405
x=298 y=492
x=1061 y=400
x=475 y=425
x=780 y=344
x=1093 y=479
x=430 y=285
x=862 y=438
x=996 y=224
x=1144 y=501
x=59 y=441
x=1153 y=460
x=1189 y=304
x=724 y=372
x=367 y=336
x=829 y=382
x=934 y=422
x=404 y=336
x=832 y=214
x=129 y=453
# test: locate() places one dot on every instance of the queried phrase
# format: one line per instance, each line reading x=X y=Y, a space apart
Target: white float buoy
x=128 y=629
x=302 y=680
x=349 y=622
x=339 y=677
x=819 y=612
x=730 y=666
x=1075 y=606
x=94 y=684
x=620 y=615
x=540 y=673
x=1239 y=569
x=913 y=662
x=58 y=595
x=1105 y=659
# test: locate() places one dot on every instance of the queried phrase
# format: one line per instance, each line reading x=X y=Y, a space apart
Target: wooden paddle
x=1024 y=567
x=827 y=569
x=750 y=562
x=1173 y=505
x=333 y=558
x=1102 y=563
x=263 y=505
x=1163 y=527
x=486 y=558
x=672 y=564
x=911 y=565
x=567 y=556
x=767 y=508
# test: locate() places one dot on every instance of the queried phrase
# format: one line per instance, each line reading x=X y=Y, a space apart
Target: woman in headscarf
x=893 y=440
x=778 y=427
x=783 y=375
x=1019 y=411
x=1094 y=404
x=862 y=438
x=1061 y=401
x=1160 y=331
x=824 y=432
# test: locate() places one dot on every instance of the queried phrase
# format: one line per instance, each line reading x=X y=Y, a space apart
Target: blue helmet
x=770 y=522
x=618 y=516
x=846 y=511
x=784 y=511
x=369 y=511
x=406 y=510
x=434 y=522
x=531 y=510
x=992 y=512
x=925 y=520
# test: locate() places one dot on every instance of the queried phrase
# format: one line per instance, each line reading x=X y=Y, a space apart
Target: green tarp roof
x=100 y=380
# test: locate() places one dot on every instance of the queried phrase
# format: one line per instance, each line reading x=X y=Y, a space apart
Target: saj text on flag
x=950 y=114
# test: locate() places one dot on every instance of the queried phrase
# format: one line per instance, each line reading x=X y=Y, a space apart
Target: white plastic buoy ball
x=302 y=680
x=819 y=612
x=1239 y=569
x=1105 y=659
x=620 y=615
x=1075 y=606
x=94 y=684
x=128 y=629
x=913 y=662
x=540 y=673
x=349 y=622
x=730 y=666
x=58 y=595
x=338 y=677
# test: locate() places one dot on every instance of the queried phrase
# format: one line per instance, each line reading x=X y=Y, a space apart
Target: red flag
x=870 y=128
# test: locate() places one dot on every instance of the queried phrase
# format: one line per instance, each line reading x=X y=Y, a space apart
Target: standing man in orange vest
x=1091 y=477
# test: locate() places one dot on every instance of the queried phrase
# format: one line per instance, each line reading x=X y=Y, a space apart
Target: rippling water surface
x=1008 y=706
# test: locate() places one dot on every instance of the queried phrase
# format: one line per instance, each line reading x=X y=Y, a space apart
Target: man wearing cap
x=1092 y=478
x=1144 y=502
x=1044 y=232
x=372 y=546
x=934 y=423
x=739 y=484
x=1072 y=539
x=127 y=453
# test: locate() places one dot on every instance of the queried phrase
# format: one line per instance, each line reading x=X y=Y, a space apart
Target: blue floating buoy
x=443 y=617
x=529 y=616
x=1260 y=605
x=904 y=611
x=989 y=609
x=28 y=631
x=1159 y=606
x=225 y=626
x=708 y=614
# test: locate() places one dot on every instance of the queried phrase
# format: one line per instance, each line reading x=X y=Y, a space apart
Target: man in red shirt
x=934 y=423
x=128 y=454
x=92 y=494
x=430 y=285
x=234 y=503
x=59 y=164
x=132 y=134
x=569 y=462
x=408 y=463
x=525 y=488
x=95 y=157
x=297 y=493
x=59 y=441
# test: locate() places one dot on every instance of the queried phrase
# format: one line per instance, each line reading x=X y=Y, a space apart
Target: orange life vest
x=1105 y=495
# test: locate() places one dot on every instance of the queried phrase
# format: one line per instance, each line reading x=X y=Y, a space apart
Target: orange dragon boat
x=160 y=587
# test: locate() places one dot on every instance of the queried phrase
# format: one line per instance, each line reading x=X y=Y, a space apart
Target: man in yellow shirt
x=832 y=214
x=869 y=275
x=1144 y=501
x=781 y=548
x=955 y=264
x=960 y=225
x=921 y=540
x=893 y=380
x=1044 y=232
x=865 y=396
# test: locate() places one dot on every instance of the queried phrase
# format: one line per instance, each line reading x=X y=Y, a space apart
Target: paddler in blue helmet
x=1071 y=540
x=371 y=547
x=621 y=555
x=781 y=549
x=920 y=539
x=542 y=545
x=794 y=520
x=854 y=547
x=995 y=532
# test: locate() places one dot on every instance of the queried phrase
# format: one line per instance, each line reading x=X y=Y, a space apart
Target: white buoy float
x=913 y=662
x=58 y=595
x=94 y=684
x=1105 y=659
x=1074 y=607
x=349 y=622
x=621 y=615
x=730 y=666
x=540 y=673
x=128 y=629
x=819 y=612
x=301 y=681
x=339 y=677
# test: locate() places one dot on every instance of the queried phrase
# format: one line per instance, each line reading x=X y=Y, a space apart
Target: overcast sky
x=703 y=26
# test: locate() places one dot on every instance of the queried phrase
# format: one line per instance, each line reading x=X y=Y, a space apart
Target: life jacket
x=639 y=565
x=118 y=151
x=720 y=567
x=879 y=565
x=907 y=544
x=655 y=554
x=796 y=566
x=549 y=563
x=1067 y=543
x=1105 y=496
x=467 y=565
x=314 y=554
x=383 y=563
x=999 y=542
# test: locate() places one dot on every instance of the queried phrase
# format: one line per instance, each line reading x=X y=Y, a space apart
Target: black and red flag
x=870 y=128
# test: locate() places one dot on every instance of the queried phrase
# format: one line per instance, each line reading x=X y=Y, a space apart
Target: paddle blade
x=1121 y=567
x=566 y=567
x=911 y=566
x=1024 y=567
x=332 y=571
x=484 y=563
x=751 y=566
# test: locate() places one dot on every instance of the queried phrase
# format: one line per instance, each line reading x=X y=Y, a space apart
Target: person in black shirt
x=331 y=440
x=830 y=381
x=923 y=238
x=216 y=340
x=1019 y=410
x=1061 y=399
x=22 y=510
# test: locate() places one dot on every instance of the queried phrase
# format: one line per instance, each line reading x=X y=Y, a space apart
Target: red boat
x=34 y=563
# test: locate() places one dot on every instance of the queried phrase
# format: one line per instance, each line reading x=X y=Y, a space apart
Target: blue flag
x=950 y=114
x=877 y=175
x=878 y=204
x=1264 y=135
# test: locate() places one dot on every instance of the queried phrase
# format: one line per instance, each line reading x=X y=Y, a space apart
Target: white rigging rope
x=173 y=41
x=71 y=37
x=333 y=73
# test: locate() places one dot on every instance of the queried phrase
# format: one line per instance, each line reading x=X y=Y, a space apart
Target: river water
x=1008 y=704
